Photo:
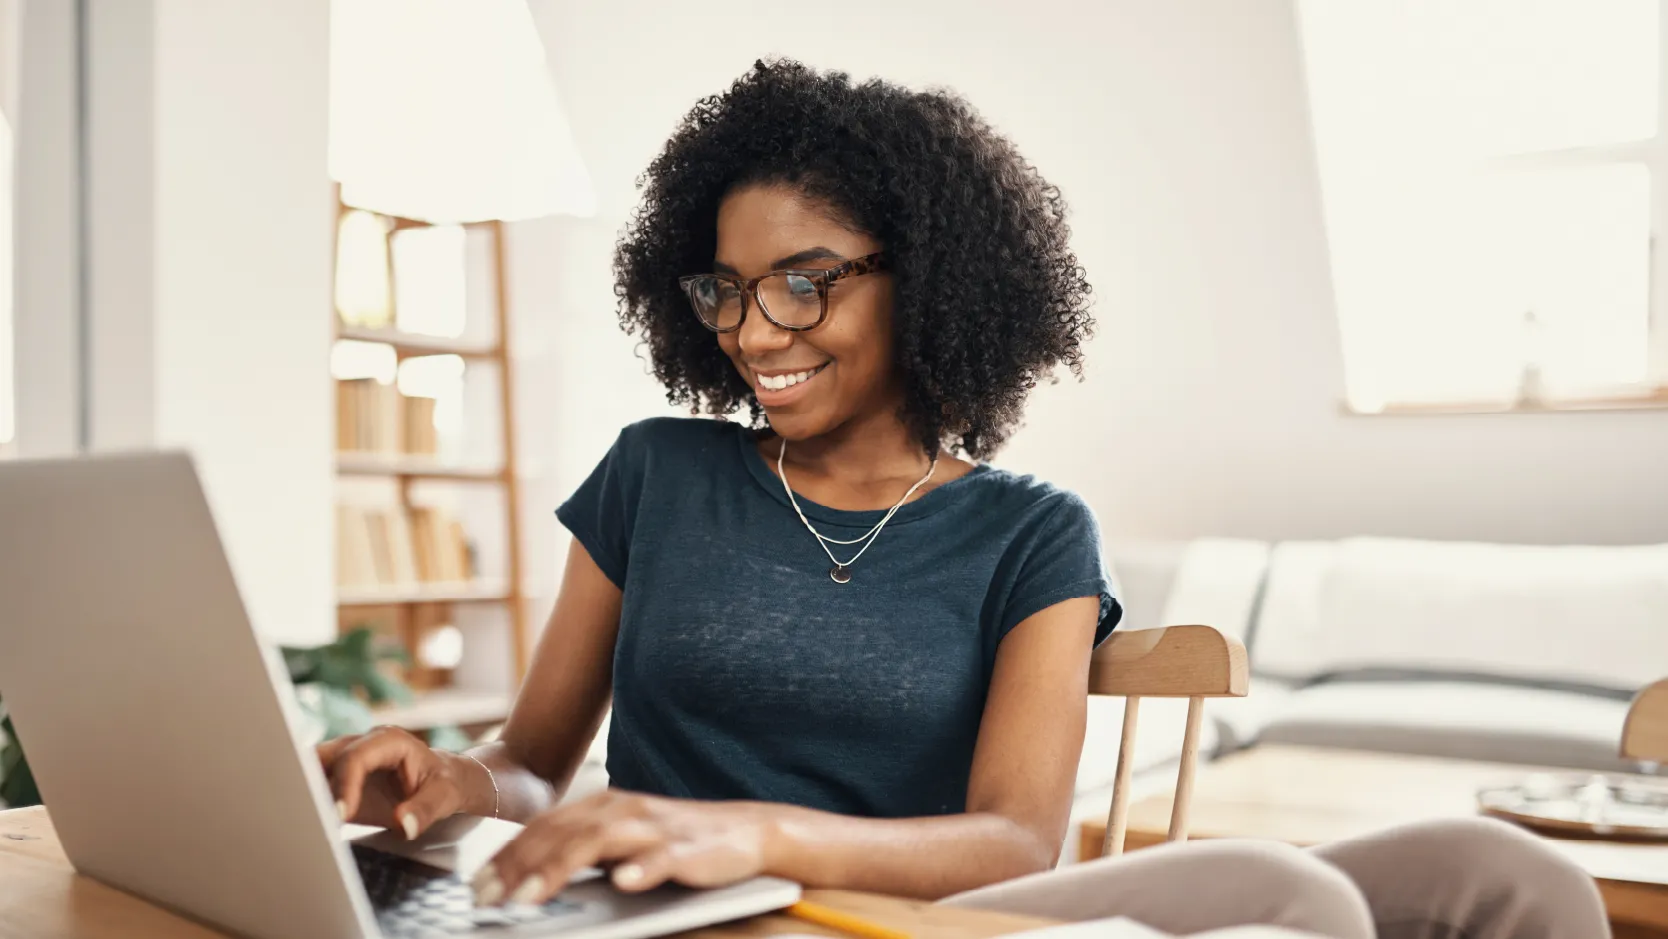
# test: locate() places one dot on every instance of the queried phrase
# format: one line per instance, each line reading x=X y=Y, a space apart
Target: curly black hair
x=988 y=296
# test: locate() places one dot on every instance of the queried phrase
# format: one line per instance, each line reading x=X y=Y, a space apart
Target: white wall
x=45 y=235
x=1177 y=132
x=244 y=218
x=11 y=24
x=208 y=272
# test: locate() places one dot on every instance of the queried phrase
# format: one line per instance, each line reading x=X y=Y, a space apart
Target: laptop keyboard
x=412 y=899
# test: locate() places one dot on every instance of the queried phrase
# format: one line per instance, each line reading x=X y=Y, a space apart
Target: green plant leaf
x=356 y=645
x=301 y=664
x=342 y=713
x=381 y=688
x=350 y=674
x=17 y=781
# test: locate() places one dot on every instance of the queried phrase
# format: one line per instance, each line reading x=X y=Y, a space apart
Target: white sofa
x=1519 y=653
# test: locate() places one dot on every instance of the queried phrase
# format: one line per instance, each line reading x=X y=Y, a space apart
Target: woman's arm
x=1018 y=805
x=389 y=777
x=561 y=703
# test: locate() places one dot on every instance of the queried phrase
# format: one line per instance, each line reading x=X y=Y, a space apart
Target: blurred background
x=1381 y=376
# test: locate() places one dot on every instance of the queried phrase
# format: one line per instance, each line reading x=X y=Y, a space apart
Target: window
x=1493 y=174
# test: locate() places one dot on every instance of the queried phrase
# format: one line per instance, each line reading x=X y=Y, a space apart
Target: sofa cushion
x=1462 y=720
x=1239 y=720
x=1285 y=634
x=1567 y=613
x=1217 y=583
x=1144 y=572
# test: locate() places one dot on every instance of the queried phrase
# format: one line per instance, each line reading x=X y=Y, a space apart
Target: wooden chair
x=1645 y=732
x=1193 y=662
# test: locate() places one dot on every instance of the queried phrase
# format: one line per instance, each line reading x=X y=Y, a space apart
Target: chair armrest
x=1645 y=732
x=1170 y=662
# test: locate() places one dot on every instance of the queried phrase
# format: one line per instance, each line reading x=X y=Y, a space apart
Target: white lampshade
x=444 y=110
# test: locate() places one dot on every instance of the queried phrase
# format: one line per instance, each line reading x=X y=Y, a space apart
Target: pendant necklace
x=840 y=573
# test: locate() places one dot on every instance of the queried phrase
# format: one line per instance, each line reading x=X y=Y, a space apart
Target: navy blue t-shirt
x=743 y=671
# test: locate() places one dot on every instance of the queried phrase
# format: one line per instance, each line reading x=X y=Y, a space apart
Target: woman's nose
x=758 y=334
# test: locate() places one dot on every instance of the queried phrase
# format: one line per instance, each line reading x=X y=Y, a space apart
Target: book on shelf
x=375 y=417
x=391 y=547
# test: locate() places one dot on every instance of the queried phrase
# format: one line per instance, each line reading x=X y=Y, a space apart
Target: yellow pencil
x=845 y=922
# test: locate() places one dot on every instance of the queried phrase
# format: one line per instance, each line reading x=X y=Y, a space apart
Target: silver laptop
x=163 y=735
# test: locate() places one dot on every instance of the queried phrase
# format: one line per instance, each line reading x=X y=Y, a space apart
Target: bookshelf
x=414 y=467
x=405 y=564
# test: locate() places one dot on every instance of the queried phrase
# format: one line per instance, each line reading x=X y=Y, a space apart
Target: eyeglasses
x=794 y=300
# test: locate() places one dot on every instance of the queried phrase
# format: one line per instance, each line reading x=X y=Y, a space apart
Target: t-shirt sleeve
x=1065 y=560
x=602 y=512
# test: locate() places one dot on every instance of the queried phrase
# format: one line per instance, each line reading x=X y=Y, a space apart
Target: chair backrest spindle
x=1193 y=662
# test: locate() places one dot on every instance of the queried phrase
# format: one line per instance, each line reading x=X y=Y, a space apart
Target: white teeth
x=779 y=382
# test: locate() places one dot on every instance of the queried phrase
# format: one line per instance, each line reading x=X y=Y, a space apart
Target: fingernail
x=408 y=822
x=628 y=875
x=341 y=809
x=530 y=891
x=488 y=891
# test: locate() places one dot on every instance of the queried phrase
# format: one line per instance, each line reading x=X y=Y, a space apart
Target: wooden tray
x=1589 y=805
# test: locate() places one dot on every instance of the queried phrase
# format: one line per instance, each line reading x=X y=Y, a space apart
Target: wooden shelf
x=407 y=345
x=412 y=467
x=485 y=591
x=419 y=607
x=401 y=222
x=446 y=706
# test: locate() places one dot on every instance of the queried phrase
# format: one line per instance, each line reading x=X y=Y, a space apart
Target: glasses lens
x=791 y=299
x=717 y=301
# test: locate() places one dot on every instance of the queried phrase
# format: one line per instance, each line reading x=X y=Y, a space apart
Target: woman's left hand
x=645 y=840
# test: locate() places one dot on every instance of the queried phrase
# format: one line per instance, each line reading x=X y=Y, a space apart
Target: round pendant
x=840 y=574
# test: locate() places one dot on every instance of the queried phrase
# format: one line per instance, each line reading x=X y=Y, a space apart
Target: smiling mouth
x=784 y=382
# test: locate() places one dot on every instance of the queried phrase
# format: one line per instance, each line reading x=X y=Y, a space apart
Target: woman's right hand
x=390 y=778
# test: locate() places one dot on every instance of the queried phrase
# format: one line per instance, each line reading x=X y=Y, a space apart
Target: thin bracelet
x=490 y=778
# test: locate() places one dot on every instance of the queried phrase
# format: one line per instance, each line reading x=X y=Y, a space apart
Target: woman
x=839 y=647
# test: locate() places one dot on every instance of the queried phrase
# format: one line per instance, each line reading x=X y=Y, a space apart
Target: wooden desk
x=1307 y=796
x=41 y=897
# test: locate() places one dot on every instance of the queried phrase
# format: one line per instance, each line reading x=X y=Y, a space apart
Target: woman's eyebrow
x=819 y=253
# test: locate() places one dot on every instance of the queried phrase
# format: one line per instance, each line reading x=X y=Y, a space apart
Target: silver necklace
x=840 y=573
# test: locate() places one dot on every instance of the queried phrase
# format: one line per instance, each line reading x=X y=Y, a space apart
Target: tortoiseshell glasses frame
x=720 y=300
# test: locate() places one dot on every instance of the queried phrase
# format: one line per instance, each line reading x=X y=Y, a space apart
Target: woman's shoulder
x=1006 y=490
x=666 y=429
x=652 y=438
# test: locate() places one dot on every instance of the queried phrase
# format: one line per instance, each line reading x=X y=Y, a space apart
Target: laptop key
x=492 y=916
x=525 y=914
